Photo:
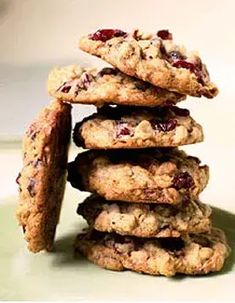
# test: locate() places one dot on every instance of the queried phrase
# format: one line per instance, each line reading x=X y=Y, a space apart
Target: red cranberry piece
x=194 y=68
x=183 y=112
x=106 y=34
x=123 y=129
x=164 y=34
x=183 y=180
x=107 y=71
x=188 y=65
x=31 y=188
x=86 y=80
x=164 y=126
x=65 y=88
x=184 y=64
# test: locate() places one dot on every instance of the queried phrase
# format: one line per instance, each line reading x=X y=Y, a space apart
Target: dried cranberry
x=107 y=71
x=184 y=64
x=183 y=180
x=106 y=34
x=123 y=129
x=65 y=88
x=85 y=80
x=31 y=187
x=183 y=112
x=194 y=68
x=164 y=34
x=164 y=126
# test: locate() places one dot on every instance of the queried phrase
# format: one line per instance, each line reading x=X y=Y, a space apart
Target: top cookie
x=42 y=179
x=108 y=85
x=153 y=58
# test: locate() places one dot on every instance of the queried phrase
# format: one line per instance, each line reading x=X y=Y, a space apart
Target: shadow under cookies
x=226 y=221
x=64 y=249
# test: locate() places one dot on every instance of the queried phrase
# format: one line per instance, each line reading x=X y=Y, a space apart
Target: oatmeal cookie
x=108 y=85
x=42 y=179
x=128 y=127
x=164 y=175
x=146 y=220
x=192 y=255
x=154 y=58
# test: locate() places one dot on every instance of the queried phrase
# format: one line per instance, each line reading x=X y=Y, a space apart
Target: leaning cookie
x=151 y=175
x=128 y=127
x=42 y=179
x=146 y=220
x=108 y=85
x=154 y=58
x=194 y=255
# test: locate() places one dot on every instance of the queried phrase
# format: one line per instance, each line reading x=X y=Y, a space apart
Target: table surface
x=59 y=275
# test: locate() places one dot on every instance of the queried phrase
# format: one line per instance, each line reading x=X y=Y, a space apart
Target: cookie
x=90 y=86
x=194 y=255
x=145 y=220
x=145 y=175
x=154 y=58
x=42 y=179
x=128 y=127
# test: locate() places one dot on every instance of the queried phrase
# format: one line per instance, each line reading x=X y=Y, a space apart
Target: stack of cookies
x=144 y=212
